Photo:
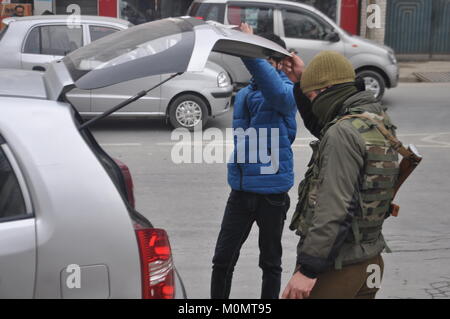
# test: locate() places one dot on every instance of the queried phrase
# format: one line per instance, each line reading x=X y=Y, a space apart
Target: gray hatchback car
x=31 y=43
x=305 y=30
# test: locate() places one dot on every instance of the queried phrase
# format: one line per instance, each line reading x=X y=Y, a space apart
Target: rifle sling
x=396 y=144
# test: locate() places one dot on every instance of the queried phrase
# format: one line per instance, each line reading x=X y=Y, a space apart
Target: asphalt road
x=188 y=199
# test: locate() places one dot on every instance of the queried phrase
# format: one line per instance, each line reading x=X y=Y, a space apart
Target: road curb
x=409 y=80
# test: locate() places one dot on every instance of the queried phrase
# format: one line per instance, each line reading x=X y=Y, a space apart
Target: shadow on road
x=159 y=125
x=132 y=125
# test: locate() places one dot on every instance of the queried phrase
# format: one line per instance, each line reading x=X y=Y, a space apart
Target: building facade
x=419 y=28
x=415 y=29
x=344 y=12
x=137 y=11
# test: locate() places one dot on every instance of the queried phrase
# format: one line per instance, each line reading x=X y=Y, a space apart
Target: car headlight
x=392 y=57
x=222 y=80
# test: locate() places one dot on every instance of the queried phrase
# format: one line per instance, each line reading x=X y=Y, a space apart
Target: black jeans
x=242 y=210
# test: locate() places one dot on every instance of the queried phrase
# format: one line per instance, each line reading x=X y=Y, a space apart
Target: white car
x=63 y=205
x=305 y=30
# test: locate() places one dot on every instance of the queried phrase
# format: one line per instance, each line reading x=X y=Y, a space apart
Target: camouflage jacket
x=348 y=188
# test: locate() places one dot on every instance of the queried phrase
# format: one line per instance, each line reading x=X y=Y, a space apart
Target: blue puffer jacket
x=267 y=103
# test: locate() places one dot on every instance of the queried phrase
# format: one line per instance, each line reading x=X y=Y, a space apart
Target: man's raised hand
x=293 y=66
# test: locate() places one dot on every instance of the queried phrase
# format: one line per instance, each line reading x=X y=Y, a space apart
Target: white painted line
x=423 y=134
x=293 y=145
x=431 y=139
x=204 y=143
x=301 y=146
x=433 y=146
x=120 y=144
x=214 y=144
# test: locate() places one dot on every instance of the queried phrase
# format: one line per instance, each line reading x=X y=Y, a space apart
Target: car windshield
x=144 y=43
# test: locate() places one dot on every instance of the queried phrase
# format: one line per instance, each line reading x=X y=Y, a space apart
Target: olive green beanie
x=328 y=68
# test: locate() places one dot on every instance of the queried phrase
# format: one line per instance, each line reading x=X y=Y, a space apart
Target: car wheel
x=188 y=111
x=374 y=83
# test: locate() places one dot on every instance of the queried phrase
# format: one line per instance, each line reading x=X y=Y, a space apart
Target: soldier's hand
x=246 y=28
x=293 y=66
x=299 y=287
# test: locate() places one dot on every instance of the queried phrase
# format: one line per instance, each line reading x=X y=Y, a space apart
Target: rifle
x=411 y=157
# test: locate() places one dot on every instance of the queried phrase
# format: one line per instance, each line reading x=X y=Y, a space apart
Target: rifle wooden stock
x=407 y=166
x=411 y=159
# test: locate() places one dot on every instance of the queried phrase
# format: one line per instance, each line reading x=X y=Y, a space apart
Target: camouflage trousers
x=351 y=282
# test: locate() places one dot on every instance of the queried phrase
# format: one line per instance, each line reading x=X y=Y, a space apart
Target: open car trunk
x=168 y=46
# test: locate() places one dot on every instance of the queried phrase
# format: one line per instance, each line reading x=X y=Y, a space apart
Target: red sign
x=107 y=8
x=350 y=16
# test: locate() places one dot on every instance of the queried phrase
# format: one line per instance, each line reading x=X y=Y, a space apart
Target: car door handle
x=38 y=68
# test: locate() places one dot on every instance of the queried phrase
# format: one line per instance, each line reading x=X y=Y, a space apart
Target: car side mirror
x=333 y=37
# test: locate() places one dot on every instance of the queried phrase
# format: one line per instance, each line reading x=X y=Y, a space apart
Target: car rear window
x=208 y=11
x=12 y=203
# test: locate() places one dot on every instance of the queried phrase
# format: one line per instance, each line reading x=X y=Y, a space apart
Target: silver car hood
x=174 y=45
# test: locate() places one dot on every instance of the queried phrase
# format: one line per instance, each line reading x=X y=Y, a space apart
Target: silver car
x=68 y=228
x=31 y=43
x=64 y=212
x=305 y=30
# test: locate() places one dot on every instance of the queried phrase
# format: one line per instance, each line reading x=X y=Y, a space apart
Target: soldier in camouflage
x=347 y=191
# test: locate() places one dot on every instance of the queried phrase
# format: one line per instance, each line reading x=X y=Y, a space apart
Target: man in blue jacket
x=260 y=174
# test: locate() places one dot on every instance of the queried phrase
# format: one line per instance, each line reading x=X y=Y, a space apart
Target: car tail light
x=128 y=181
x=199 y=18
x=158 y=281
